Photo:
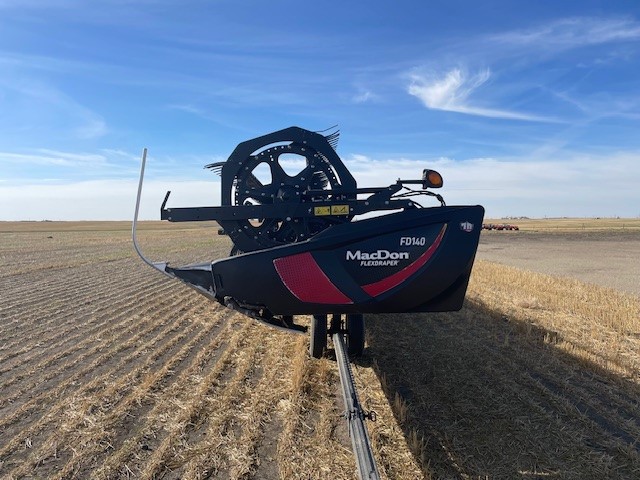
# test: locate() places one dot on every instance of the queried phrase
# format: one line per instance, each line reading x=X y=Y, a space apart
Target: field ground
x=575 y=225
x=109 y=370
x=607 y=258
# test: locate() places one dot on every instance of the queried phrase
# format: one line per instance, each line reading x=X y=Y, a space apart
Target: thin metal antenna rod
x=160 y=266
x=134 y=227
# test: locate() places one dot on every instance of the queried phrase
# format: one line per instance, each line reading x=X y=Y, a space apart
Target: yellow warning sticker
x=321 y=210
x=339 y=209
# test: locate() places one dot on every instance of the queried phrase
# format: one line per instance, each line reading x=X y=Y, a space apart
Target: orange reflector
x=435 y=178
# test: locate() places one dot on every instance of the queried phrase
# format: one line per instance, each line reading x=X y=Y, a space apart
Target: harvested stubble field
x=601 y=251
x=109 y=370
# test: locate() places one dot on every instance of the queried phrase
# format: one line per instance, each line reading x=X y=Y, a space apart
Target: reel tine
x=253 y=181
x=320 y=181
x=333 y=138
x=215 y=167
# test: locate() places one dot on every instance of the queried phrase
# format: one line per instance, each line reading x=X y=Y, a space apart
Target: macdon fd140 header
x=299 y=249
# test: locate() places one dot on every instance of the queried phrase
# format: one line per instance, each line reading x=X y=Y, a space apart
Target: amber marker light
x=431 y=179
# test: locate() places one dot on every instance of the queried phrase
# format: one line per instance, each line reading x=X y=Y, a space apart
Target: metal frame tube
x=355 y=415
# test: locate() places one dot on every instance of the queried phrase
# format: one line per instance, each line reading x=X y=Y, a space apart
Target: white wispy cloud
x=451 y=92
x=118 y=153
x=364 y=94
x=518 y=54
x=188 y=108
x=108 y=199
x=30 y=168
x=28 y=4
x=572 y=32
x=362 y=97
x=39 y=100
x=93 y=127
x=565 y=185
x=54 y=158
x=62 y=4
x=568 y=185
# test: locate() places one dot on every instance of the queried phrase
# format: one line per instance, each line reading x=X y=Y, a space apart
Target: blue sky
x=529 y=108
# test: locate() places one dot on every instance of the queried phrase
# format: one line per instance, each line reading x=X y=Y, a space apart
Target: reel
x=255 y=175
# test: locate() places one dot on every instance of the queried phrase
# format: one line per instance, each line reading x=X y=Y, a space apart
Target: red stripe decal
x=386 y=284
x=305 y=279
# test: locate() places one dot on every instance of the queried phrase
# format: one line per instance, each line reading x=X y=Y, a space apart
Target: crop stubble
x=108 y=370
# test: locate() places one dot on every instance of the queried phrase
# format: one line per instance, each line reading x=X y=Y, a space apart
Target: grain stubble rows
x=108 y=370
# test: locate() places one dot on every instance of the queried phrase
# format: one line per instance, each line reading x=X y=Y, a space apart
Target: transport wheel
x=355 y=334
x=318 y=335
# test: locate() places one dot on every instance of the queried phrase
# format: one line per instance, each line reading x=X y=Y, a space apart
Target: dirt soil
x=610 y=259
x=109 y=370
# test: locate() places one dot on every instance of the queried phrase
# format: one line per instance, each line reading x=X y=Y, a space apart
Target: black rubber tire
x=355 y=334
x=318 y=335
